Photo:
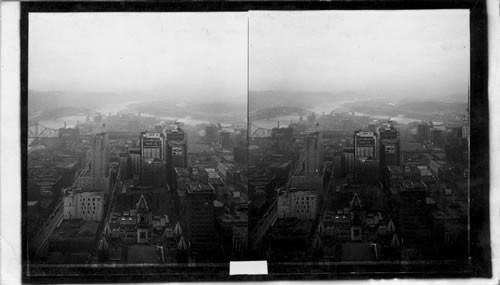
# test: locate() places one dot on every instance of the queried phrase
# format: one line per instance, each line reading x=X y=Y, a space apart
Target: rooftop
x=395 y=168
x=298 y=183
x=353 y=251
x=142 y=254
x=76 y=229
x=291 y=226
x=194 y=187
x=236 y=217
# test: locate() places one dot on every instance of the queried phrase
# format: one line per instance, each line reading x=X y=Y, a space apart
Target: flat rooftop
x=353 y=251
x=142 y=254
x=298 y=183
x=193 y=187
x=77 y=229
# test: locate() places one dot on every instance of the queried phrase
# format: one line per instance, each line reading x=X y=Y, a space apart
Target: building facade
x=200 y=218
x=313 y=154
x=82 y=204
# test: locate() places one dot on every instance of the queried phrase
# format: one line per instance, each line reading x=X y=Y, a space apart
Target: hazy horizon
x=156 y=55
x=377 y=54
x=93 y=58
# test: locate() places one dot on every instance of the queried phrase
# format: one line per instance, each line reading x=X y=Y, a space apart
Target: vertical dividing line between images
x=248 y=91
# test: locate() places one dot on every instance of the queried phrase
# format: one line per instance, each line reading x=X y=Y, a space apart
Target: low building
x=73 y=241
x=300 y=199
x=83 y=204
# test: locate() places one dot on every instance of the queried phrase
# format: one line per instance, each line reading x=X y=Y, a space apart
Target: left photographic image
x=136 y=138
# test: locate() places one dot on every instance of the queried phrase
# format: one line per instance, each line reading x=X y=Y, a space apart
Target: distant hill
x=217 y=111
x=268 y=99
x=272 y=112
x=437 y=110
x=47 y=100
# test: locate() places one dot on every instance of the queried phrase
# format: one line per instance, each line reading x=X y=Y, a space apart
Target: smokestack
x=278 y=124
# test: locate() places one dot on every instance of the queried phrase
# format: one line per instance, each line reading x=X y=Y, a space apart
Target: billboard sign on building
x=151 y=143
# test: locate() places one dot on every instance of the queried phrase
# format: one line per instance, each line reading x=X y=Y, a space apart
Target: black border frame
x=479 y=264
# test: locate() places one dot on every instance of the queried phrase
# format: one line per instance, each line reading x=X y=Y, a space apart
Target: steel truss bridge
x=37 y=130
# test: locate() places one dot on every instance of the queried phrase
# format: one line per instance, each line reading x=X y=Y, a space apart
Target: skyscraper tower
x=365 y=145
x=176 y=152
x=152 y=149
x=200 y=219
x=152 y=145
x=366 y=157
x=313 y=158
x=99 y=170
x=100 y=153
x=389 y=145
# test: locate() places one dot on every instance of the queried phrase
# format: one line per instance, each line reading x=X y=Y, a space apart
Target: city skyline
x=335 y=160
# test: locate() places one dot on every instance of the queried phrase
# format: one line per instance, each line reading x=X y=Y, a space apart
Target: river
x=326 y=109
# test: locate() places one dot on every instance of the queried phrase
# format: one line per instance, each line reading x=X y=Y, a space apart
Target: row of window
x=88 y=208
x=302 y=198
x=84 y=199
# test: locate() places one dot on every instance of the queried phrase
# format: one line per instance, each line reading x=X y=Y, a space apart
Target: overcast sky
x=377 y=53
x=175 y=55
x=192 y=55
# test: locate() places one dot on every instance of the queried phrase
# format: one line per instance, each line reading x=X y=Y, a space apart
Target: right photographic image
x=359 y=139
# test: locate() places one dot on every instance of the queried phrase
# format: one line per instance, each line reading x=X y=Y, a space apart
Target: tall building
x=366 y=157
x=124 y=167
x=176 y=152
x=437 y=137
x=100 y=162
x=313 y=154
x=389 y=146
x=153 y=172
x=348 y=160
x=282 y=138
x=465 y=127
x=200 y=218
x=151 y=145
x=211 y=133
x=134 y=163
x=226 y=139
x=152 y=148
x=69 y=136
x=365 y=145
x=100 y=155
x=413 y=215
x=423 y=131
